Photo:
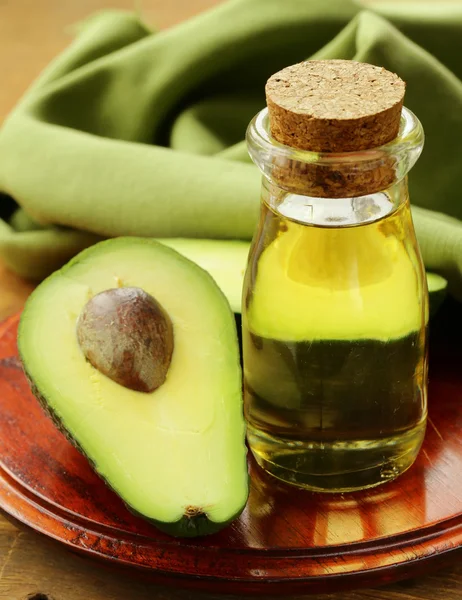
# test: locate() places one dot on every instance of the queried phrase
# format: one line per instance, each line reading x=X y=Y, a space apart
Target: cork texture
x=345 y=181
x=335 y=106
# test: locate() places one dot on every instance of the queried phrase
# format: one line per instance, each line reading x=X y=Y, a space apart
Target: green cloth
x=134 y=132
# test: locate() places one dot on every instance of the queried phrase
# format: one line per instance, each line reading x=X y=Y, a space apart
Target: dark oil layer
x=335 y=414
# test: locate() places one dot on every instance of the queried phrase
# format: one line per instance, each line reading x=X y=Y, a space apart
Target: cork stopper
x=335 y=106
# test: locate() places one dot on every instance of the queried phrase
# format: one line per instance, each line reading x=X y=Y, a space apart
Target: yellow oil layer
x=359 y=282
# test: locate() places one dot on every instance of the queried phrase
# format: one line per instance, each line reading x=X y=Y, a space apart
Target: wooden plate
x=286 y=541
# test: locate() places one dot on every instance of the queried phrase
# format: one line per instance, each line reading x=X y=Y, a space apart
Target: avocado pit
x=127 y=335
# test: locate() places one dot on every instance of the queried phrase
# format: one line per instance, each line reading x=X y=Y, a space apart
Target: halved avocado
x=225 y=260
x=175 y=455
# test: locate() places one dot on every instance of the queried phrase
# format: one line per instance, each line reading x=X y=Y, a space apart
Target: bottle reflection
x=279 y=516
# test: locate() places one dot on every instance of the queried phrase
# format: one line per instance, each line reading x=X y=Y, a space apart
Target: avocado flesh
x=179 y=450
x=225 y=260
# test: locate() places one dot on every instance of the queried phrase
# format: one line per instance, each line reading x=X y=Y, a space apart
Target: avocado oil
x=335 y=302
x=334 y=338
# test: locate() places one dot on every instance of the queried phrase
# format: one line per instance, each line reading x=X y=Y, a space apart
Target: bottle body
x=335 y=313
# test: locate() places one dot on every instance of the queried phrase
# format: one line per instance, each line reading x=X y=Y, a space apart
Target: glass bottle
x=335 y=312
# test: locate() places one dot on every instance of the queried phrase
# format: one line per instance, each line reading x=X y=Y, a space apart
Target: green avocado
x=225 y=260
x=174 y=451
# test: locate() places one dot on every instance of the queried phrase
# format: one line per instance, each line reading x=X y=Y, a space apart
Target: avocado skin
x=185 y=527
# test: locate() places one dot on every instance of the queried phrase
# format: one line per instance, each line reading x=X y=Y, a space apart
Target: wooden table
x=31 y=33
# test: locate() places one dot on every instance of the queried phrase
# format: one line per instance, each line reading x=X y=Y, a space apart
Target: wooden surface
x=31 y=33
x=286 y=539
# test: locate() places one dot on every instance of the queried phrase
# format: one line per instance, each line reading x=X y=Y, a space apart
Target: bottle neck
x=334 y=212
x=335 y=175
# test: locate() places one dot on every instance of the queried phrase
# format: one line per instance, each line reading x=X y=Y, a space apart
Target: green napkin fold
x=134 y=132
